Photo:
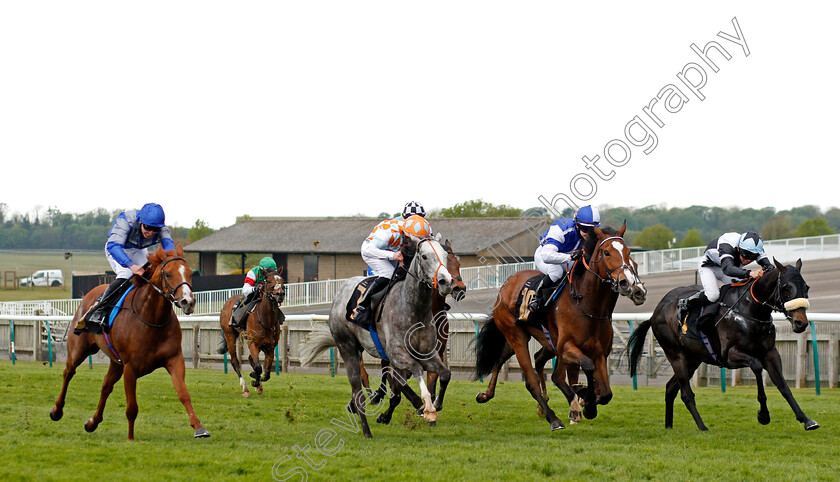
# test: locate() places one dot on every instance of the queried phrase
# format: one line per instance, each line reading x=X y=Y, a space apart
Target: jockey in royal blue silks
x=127 y=250
x=559 y=245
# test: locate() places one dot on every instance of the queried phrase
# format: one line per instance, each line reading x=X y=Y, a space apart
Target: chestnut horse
x=439 y=315
x=262 y=330
x=578 y=321
x=145 y=335
x=743 y=335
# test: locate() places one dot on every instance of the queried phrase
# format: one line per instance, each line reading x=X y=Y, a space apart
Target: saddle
x=105 y=324
x=701 y=318
x=527 y=293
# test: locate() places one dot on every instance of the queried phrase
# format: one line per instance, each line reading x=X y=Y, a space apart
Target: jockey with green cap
x=254 y=278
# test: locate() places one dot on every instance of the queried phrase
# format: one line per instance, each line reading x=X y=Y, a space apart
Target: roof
x=345 y=235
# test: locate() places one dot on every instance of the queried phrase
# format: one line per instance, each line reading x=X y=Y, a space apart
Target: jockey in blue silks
x=561 y=244
x=127 y=250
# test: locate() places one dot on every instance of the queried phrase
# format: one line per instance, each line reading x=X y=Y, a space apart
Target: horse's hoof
x=259 y=390
x=433 y=424
x=201 y=433
x=430 y=416
x=482 y=398
x=255 y=383
x=557 y=425
x=811 y=425
x=420 y=411
x=90 y=426
x=763 y=418
x=246 y=394
x=55 y=414
x=590 y=412
x=383 y=419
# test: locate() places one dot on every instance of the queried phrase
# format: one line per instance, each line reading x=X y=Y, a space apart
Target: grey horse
x=406 y=331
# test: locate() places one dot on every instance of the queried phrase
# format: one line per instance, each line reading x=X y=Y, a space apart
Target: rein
x=434 y=283
x=777 y=295
x=273 y=305
x=609 y=279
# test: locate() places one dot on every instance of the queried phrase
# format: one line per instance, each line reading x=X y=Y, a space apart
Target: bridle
x=775 y=302
x=609 y=278
x=434 y=283
x=167 y=292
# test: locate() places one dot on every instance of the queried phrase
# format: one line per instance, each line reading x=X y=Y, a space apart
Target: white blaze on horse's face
x=628 y=283
x=433 y=266
x=185 y=300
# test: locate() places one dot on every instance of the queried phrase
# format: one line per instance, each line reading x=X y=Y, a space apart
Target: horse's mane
x=408 y=250
x=155 y=259
x=589 y=248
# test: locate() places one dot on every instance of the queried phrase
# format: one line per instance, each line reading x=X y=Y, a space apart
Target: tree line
x=650 y=227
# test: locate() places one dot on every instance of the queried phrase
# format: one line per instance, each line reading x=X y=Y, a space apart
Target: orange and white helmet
x=416 y=225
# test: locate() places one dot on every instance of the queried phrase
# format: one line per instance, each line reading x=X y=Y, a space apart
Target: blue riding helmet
x=151 y=214
x=751 y=242
x=588 y=216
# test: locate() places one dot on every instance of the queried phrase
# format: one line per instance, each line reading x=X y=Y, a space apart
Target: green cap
x=268 y=263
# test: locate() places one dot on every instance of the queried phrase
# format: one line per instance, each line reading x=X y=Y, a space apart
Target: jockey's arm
x=551 y=255
x=370 y=249
x=250 y=283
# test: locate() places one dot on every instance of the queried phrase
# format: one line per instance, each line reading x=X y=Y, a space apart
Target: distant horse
x=579 y=323
x=441 y=320
x=743 y=336
x=262 y=330
x=145 y=335
x=406 y=334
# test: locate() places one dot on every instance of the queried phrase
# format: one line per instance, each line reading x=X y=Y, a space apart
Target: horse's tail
x=222 y=347
x=318 y=340
x=488 y=348
x=636 y=345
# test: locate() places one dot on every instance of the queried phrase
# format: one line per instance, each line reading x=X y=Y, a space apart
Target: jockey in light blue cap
x=559 y=245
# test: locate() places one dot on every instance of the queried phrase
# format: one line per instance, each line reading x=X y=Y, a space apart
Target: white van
x=44 y=277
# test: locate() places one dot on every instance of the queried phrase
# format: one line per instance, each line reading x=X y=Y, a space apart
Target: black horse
x=743 y=336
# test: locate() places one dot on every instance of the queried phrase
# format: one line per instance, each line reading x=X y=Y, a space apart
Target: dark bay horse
x=145 y=335
x=578 y=322
x=743 y=336
x=441 y=320
x=406 y=333
x=262 y=330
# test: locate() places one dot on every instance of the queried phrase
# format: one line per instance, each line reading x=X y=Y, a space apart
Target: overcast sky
x=218 y=109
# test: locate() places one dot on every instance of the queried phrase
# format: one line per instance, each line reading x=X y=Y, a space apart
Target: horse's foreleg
x=436 y=365
x=130 y=384
x=736 y=357
x=115 y=371
x=558 y=377
x=177 y=371
x=77 y=351
x=254 y=359
x=382 y=390
x=268 y=364
x=573 y=356
x=773 y=364
x=518 y=340
x=488 y=394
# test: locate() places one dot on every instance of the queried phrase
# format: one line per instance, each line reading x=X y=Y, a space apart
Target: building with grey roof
x=328 y=248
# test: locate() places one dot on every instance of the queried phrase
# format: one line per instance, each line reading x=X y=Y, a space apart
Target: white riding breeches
x=709 y=277
x=137 y=256
x=554 y=271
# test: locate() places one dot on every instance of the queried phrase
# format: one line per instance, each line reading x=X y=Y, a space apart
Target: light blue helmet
x=751 y=241
x=588 y=216
x=151 y=214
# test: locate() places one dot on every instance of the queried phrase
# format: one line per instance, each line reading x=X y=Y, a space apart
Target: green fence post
x=12 y=339
x=723 y=380
x=635 y=382
x=276 y=359
x=816 y=356
x=90 y=361
x=332 y=362
x=225 y=362
x=480 y=379
x=49 y=341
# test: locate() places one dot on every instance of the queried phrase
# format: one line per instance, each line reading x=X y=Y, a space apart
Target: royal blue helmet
x=751 y=242
x=588 y=216
x=151 y=214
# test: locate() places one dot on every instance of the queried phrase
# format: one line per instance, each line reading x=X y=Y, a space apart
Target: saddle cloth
x=526 y=294
x=360 y=290
x=701 y=317
x=97 y=328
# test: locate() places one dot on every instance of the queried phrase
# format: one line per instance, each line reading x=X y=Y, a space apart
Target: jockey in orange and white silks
x=381 y=249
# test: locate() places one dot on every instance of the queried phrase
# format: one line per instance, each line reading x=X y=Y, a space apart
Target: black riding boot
x=362 y=313
x=99 y=309
x=543 y=292
x=685 y=305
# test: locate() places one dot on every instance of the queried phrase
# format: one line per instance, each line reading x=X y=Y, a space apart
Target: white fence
x=476 y=278
x=43 y=337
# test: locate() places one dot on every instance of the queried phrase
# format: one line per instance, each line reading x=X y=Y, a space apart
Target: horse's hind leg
x=352 y=363
x=542 y=357
x=130 y=383
x=773 y=364
x=230 y=341
x=518 y=340
x=672 y=388
x=115 y=371
x=683 y=369
x=76 y=353
x=254 y=359
x=488 y=394
x=177 y=370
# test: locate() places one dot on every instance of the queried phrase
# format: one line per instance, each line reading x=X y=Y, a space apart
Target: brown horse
x=439 y=315
x=578 y=322
x=262 y=330
x=145 y=335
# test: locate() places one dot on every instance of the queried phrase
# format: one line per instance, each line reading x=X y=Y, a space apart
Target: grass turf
x=265 y=437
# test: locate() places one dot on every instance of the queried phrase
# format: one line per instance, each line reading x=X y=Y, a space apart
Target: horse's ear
x=598 y=232
x=179 y=251
x=779 y=265
x=437 y=237
x=448 y=245
x=799 y=264
x=621 y=231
